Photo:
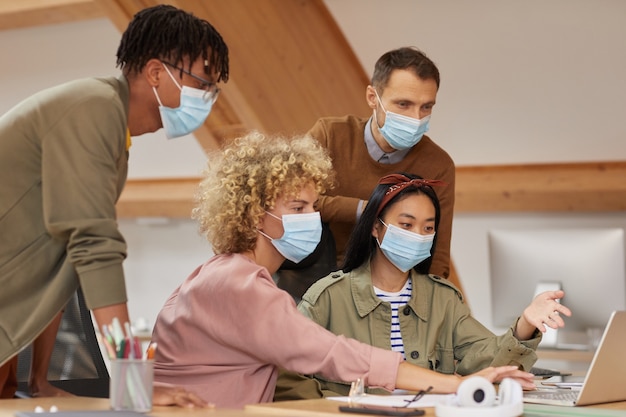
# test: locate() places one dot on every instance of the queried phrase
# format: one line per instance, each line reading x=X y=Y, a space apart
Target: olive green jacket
x=437 y=327
x=63 y=164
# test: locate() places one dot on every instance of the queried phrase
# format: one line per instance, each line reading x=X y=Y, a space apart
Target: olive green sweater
x=63 y=164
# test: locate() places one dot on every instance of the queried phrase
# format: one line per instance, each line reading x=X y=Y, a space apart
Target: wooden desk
x=329 y=408
x=309 y=408
x=9 y=407
x=304 y=407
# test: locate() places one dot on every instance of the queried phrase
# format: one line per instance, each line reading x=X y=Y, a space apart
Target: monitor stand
x=572 y=340
x=560 y=338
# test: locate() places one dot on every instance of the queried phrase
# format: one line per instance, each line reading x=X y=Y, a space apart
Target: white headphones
x=476 y=397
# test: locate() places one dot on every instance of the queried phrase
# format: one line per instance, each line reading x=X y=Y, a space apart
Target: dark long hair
x=362 y=245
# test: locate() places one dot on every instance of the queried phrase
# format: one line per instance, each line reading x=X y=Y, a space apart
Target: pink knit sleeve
x=276 y=332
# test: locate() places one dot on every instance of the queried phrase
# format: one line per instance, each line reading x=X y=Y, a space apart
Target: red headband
x=399 y=182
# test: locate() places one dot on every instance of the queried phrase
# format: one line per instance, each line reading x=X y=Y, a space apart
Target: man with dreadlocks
x=63 y=165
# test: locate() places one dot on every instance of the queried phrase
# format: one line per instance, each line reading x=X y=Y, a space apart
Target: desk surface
x=291 y=408
x=9 y=407
x=329 y=407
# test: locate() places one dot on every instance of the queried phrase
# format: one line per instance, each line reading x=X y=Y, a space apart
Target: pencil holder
x=131 y=385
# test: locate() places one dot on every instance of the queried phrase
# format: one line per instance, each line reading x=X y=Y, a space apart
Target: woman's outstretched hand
x=543 y=312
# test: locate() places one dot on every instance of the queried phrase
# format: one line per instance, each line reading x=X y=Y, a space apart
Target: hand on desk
x=165 y=394
x=497 y=374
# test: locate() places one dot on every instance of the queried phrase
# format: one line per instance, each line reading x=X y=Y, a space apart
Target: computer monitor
x=587 y=263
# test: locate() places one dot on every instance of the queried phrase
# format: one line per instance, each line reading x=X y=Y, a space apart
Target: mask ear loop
x=171 y=76
x=378 y=241
x=280 y=219
x=157 y=97
x=381 y=106
x=173 y=79
x=380 y=101
x=263 y=234
x=277 y=218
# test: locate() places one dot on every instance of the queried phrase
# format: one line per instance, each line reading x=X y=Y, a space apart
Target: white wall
x=530 y=81
x=521 y=81
x=161 y=253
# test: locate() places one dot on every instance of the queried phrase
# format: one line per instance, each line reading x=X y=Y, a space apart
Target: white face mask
x=189 y=115
x=403 y=248
x=401 y=132
x=302 y=234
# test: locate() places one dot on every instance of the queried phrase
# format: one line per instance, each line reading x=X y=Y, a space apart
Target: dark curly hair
x=167 y=33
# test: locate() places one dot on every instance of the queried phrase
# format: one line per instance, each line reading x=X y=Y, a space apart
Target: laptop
x=606 y=378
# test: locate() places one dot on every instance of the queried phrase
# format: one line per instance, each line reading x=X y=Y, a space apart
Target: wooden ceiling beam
x=120 y=12
x=15 y=14
x=576 y=187
x=590 y=187
x=171 y=198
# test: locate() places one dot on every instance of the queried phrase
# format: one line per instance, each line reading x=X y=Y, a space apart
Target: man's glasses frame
x=211 y=90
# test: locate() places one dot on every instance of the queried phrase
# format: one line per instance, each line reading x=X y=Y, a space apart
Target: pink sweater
x=225 y=331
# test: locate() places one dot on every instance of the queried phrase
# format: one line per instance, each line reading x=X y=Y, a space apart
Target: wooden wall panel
x=26 y=13
x=583 y=187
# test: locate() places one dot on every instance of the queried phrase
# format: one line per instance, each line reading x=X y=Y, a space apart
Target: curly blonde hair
x=247 y=177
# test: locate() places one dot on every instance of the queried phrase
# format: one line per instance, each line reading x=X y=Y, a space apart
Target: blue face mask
x=302 y=234
x=189 y=115
x=405 y=249
x=402 y=132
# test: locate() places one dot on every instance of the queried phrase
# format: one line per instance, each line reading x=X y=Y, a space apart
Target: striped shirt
x=396 y=300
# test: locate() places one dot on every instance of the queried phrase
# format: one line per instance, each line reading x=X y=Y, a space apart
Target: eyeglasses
x=211 y=90
x=417 y=396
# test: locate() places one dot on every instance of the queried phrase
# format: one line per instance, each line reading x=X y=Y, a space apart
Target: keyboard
x=565 y=395
x=545 y=372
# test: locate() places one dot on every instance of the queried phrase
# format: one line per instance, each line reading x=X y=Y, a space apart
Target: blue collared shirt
x=378 y=154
